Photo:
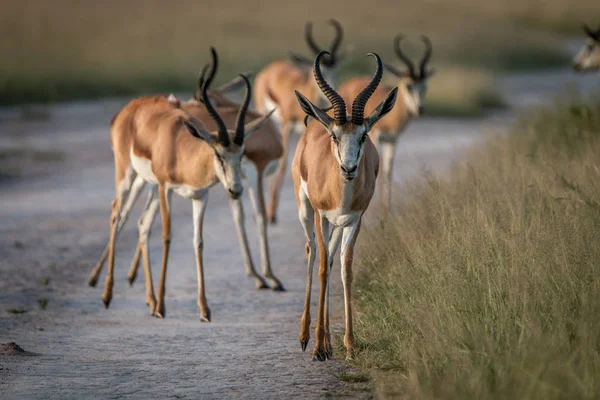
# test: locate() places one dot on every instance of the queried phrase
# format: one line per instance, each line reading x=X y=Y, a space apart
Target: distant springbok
x=588 y=58
x=334 y=171
x=274 y=86
x=172 y=150
x=413 y=85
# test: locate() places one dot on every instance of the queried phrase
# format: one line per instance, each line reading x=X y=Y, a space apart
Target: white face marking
x=588 y=58
x=349 y=148
x=228 y=168
x=413 y=93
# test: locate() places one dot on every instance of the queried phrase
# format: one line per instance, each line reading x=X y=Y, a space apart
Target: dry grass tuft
x=487 y=284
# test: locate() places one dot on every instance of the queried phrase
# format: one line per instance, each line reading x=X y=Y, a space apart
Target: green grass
x=487 y=284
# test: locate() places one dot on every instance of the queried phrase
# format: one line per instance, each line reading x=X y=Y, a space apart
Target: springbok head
x=334 y=56
x=588 y=58
x=413 y=81
x=348 y=133
x=227 y=144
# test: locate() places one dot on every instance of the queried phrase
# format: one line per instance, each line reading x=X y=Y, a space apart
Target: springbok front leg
x=238 y=216
x=347 y=253
x=145 y=227
x=334 y=243
x=136 y=188
x=124 y=181
x=279 y=175
x=255 y=181
x=307 y=218
x=319 y=353
x=132 y=275
x=199 y=207
x=164 y=195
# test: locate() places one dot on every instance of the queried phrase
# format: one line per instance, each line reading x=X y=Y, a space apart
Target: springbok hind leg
x=123 y=187
x=388 y=151
x=320 y=353
x=164 y=195
x=136 y=188
x=255 y=180
x=279 y=174
x=145 y=227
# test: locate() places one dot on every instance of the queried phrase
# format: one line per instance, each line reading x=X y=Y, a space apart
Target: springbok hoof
x=92 y=281
x=261 y=284
x=303 y=344
x=106 y=300
x=159 y=312
x=131 y=279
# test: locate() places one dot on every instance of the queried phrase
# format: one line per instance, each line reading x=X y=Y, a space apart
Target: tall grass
x=67 y=49
x=487 y=283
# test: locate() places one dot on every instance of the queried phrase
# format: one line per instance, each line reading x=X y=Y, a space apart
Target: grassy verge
x=487 y=283
x=64 y=50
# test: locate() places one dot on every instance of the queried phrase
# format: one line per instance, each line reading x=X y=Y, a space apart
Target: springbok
x=273 y=87
x=262 y=151
x=174 y=151
x=218 y=97
x=413 y=85
x=588 y=58
x=334 y=171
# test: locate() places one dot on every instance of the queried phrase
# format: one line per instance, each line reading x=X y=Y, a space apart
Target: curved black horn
x=241 y=117
x=309 y=38
x=591 y=33
x=339 y=106
x=358 y=106
x=426 y=56
x=222 y=129
x=339 y=34
x=398 y=48
x=201 y=79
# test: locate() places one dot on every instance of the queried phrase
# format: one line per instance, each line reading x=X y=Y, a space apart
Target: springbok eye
x=335 y=139
x=409 y=87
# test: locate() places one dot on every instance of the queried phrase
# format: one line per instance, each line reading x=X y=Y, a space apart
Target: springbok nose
x=421 y=110
x=349 y=170
x=236 y=191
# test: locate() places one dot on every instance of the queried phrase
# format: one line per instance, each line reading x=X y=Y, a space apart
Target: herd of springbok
x=187 y=147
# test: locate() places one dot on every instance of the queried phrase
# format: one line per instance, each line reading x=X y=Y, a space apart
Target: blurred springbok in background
x=588 y=58
x=274 y=87
x=412 y=84
x=334 y=171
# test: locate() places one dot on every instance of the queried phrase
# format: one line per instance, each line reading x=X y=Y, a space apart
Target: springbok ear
x=255 y=125
x=313 y=111
x=384 y=108
x=198 y=133
x=431 y=72
x=236 y=83
x=299 y=60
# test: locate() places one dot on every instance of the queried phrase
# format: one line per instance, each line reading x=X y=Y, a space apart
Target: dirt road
x=53 y=228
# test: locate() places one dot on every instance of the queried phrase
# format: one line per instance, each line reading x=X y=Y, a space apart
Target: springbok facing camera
x=334 y=170
x=274 y=87
x=261 y=152
x=173 y=151
x=588 y=58
x=412 y=85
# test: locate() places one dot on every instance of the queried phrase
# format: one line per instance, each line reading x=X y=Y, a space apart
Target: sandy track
x=53 y=229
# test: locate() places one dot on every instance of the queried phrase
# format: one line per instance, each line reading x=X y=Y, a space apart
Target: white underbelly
x=143 y=167
x=339 y=216
x=187 y=192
